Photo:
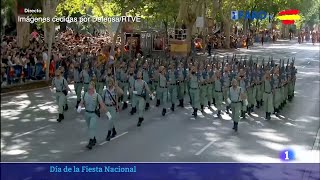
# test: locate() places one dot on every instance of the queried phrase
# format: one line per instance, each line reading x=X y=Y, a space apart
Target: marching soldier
x=109 y=98
x=140 y=89
x=218 y=88
x=62 y=88
x=131 y=79
x=124 y=85
x=91 y=101
x=292 y=81
x=146 y=78
x=194 y=90
x=235 y=99
x=252 y=91
x=163 y=89
x=226 y=86
x=181 y=84
x=210 y=85
x=259 y=88
x=203 y=88
x=277 y=90
x=156 y=83
x=62 y=71
x=85 y=77
x=243 y=83
x=267 y=87
x=172 y=80
x=77 y=82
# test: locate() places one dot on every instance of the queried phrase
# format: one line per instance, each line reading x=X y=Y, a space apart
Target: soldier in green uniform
x=91 y=101
x=235 y=99
x=163 y=89
x=218 y=88
x=131 y=80
x=259 y=89
x=140 y=89
x=85 y=77
x=243 y=83
x=109 y=98
x=124 y=84
x=62 y=71
x=277 y=90
x=62 y=88
x=146 y=78
x=181 y=76
x=267 y=94
x=155 y=83
x=108 y=76
x=203 y=88
x=194 y=90
x=172 y=87
x=77 y=82
x=226 y=86
x=292 y=81
x=210 y=85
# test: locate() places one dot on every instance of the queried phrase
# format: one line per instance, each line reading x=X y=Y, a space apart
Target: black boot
x=147 y=106
x=91 y=144
x=252 y=108
x=214 y=101
x=269 y=116
x=114 y=132
x=108 y=138
x=164 y=111
x=94 y=141
x=125 y=105
x=158 y=103
x=258 y=104
x=209 y=104
x=266 y=116
x=195 y=113
x=202 y=108
x=249 y=110
x=243 y=114
x=61 y=117
x=236 y=127
x=219 y=113
x=180 y=103
x=129 y=97
x=172 y=107
x=227 y=110
x=78 y=102
x=65 y=107
x=133 y=110
x=139 y=122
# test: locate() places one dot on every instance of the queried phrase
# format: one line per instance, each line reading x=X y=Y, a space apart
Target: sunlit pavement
x=29 y=131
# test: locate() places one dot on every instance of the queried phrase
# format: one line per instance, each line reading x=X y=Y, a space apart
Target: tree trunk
x=23 y=33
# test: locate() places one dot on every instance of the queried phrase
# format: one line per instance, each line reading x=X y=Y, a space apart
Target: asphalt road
x=30 y=133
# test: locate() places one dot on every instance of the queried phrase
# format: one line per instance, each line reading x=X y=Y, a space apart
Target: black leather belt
x=163 y=86
x=173 y=84
x=101 y=81
x=219 y=91
x=268 y=92
x=236 y=102
x=58 y=91
x=193 y=88
x=90 y=111
x=78 y=82
x=85 y=83
x=109 y=105
x=203 y=84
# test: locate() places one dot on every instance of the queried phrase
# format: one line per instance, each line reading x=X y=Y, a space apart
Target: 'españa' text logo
x=235 y=15
x=288 y=16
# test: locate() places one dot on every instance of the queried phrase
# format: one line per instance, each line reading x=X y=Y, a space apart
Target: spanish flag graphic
x=288 y=16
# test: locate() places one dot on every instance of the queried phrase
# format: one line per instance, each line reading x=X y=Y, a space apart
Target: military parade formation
x=235 y=85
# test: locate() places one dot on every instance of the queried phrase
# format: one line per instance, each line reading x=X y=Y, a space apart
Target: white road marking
x=30 y=132
x=114 y=138
x=204 y=148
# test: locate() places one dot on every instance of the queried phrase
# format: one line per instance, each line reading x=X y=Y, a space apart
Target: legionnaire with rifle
x=203 y=87
x=267 y=85
x=91 y=101
x=146 y=78
x=155 y=83
x=226 y=86
x=163 y=89
x=140 y=90
x=62 y=88
x=194 y=81
x=218 y=88
x=292 y=81
x=131 y=80
x=210 y=85
x=172 y=86
x=181 y=76
x=123 y=84
x=277 y=89
x=99 y=72
x=77 y=82
x=259 y=85
x=235 y=99
x=243 y=83
x=85 y=77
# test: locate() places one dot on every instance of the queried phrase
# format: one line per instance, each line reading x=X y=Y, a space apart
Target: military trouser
x=259 y=92
x=203 y=95
x=173 y=93
x=148 y=95
x=181 y=90
x=209 y=93
x=225 y=95
x=85 y=87
x=195 y=97
x=285 y=92
x=243 y=106
x=277 y=98
x=218 y=96
x=163 y=96
x=213 y=91
x=125 y=87
x=156 y=88
x=140 y=103
x=254 y=95
x=78 y=89
x=91 y=120
x=268 y=102
x=99 y=87
x=236 y=111
x=61 y=101
x=290 y=89
x=113 y=112
x=250 y=95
